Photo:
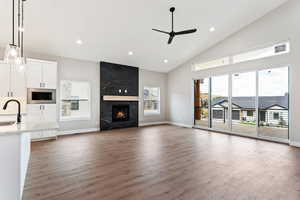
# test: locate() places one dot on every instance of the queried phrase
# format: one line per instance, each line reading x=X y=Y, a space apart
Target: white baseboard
x=180 y=124
x=70 y=132
x=153 y=123
x=295 y=144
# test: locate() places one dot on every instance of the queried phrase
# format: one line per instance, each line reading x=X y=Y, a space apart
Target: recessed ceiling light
x=130 y=53
x=79 y=42
x=212 y=29
x=166 y=61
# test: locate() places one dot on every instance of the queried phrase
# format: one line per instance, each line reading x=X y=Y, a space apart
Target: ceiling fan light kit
x=172 y=34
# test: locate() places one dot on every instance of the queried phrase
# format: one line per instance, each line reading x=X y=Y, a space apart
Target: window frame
x=89 y=100
x=252 y=54
x=152 y=112
x=277 y=114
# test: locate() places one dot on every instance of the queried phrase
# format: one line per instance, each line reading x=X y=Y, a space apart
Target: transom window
x=269 y=51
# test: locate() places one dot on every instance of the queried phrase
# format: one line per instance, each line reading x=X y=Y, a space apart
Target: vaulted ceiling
x=109 y=29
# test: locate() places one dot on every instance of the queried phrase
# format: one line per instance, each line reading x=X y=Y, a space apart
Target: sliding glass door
x=219 y=102
x=201 y=91
x=273 y=101
x=252 y=103
x=244 y=103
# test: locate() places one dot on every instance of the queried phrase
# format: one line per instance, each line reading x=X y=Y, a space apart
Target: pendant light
x=21 y=60
x=12 y=51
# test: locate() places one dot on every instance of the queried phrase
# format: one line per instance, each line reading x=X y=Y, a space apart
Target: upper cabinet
x=13 y=81
x=41 y=74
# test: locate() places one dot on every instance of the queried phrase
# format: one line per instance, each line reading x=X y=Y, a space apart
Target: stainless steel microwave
x=41 y=96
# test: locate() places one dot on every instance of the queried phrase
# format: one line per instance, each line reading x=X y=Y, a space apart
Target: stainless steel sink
x=8 y=123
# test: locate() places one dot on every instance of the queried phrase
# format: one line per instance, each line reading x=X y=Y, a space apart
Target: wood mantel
x=120 y=98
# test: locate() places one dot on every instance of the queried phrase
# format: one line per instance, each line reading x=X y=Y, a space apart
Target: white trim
x=153 y=123
x=42 y=61
x=70 y=132
x=295 y=144
x=180 y=124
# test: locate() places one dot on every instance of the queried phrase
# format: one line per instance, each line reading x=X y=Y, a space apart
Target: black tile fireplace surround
x=118 y=80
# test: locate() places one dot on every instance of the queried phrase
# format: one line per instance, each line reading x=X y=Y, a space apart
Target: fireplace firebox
x=120 y=113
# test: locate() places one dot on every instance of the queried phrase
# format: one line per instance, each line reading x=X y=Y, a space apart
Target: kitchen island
x=15 y=142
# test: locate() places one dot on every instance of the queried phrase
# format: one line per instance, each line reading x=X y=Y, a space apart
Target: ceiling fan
x=172 y=34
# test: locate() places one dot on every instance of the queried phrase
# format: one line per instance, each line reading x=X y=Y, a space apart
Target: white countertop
x=28 y=127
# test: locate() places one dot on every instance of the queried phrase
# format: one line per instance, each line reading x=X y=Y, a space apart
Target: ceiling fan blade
x=186 y=32
x=160 y=31
x=170 y=39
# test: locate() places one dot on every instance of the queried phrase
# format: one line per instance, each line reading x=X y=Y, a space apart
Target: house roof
x=248 y=103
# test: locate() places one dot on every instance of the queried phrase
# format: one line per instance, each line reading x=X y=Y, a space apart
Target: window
x=217 y=114
x=201 y=102
x=212 y=64
x=276 y=116
x=219 y=102
x=274 y=50
x=250 y=113
x=151 y=100
x=75 y=100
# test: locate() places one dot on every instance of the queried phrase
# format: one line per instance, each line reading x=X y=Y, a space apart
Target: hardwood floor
x=162 y=162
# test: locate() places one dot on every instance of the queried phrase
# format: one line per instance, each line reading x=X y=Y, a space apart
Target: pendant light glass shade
x=12 y=52
x=20 y=61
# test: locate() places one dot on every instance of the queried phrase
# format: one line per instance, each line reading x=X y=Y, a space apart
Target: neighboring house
x=272 y=109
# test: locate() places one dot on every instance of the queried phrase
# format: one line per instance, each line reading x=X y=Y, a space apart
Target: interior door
x=5 y=79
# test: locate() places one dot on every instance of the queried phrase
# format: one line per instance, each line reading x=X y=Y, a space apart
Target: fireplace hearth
x=120 y=113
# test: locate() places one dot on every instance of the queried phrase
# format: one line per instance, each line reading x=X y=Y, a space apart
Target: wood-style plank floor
x=162 y=163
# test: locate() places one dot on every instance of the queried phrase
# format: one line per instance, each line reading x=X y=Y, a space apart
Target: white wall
x=279 y=25
x=152 y=79
x=76 y=70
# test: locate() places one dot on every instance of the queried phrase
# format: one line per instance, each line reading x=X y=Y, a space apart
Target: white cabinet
x=42 y=112
x=17 y=82
x=13 y=81
x=5 y=80
x=34 y=74
x=41 y=74
x=49 y=76
x=34 y=113
x=49 y=112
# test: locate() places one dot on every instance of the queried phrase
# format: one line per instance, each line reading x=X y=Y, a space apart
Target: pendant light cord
x=22 y=33
x=13 y=22
x=19 y=15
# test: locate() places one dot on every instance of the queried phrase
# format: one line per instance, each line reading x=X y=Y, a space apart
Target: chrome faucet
x=19 y=108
